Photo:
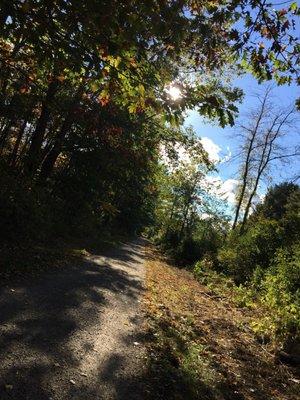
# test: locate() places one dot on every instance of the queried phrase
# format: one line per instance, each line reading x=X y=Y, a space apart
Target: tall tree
x=262 y=133
x=250 y=138
x=133 y=51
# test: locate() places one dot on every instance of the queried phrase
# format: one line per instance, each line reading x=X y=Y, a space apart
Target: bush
x=242 y=255
x=188 y=251
x=280 y=292
x=23 y=214
x=275 y=290
x=264 y=263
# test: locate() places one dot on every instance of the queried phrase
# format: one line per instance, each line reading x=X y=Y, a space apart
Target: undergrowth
x=199 y=342
x=273 y=292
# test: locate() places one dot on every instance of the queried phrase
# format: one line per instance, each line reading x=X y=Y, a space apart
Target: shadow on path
x=47 y=327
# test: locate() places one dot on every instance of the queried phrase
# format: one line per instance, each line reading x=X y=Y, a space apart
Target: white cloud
x=212 y=149
x=223 y=189
x=228 y=190
x=227 y=157
x=185 y=157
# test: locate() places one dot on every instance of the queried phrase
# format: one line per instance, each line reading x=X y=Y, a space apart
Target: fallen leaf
x=294 y=380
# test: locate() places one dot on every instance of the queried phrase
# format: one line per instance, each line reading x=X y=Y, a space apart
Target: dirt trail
x=73 y=334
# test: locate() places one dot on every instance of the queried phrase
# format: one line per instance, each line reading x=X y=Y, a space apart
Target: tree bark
x=247 y=162
x=51 y=157
x=5 y=135
x=33 y=157
x=14 y=154
x=264 y=162
x=187 y=207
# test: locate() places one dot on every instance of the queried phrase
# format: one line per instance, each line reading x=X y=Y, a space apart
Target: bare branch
x=263 y=130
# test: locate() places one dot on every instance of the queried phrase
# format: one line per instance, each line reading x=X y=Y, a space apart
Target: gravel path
x=73 y=334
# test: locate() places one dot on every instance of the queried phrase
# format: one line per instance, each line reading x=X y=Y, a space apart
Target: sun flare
x=174 y=92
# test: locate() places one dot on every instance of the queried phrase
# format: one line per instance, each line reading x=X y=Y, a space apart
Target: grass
x=270 y=316
x=200 y=345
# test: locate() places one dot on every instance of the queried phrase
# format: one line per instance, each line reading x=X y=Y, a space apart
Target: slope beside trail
x=201 y=345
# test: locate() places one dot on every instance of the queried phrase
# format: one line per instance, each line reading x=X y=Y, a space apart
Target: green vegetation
x=199 y=341
x=87 y=115
x=258 y=267
x=264 y=264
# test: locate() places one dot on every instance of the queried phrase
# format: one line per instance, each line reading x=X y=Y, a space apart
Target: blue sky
x=224 y=138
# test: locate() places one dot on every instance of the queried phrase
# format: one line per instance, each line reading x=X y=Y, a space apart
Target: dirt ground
x=127 y=326
x=201 y=346
x=74 y=333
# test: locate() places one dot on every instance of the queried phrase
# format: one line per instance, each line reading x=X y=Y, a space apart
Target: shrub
x=242 y=255
x=23 y=214
x=280 y=292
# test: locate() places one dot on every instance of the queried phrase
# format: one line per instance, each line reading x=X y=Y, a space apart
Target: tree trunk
x=5 y=135
x=15 y=151
x=246 y=169
x=187 y=206
x=51 y=157
x=171 y=217
x=264 y=162
x=262 y=165
x=33 y=157
x=184 y=220
x=3 y=124
x=23 y=148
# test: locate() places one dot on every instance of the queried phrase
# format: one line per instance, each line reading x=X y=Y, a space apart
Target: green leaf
x=294 y=6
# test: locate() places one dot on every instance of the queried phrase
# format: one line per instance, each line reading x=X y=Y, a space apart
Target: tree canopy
x=87 y=119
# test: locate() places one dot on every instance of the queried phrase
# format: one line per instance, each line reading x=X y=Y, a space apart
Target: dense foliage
x=83 y=89
x=189 y=219
x=264 y=261
x=86 y=113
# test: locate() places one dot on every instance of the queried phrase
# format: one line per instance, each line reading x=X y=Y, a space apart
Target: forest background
x=94 y=144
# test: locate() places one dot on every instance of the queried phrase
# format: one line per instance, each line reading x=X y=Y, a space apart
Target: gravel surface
x=74 y=334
